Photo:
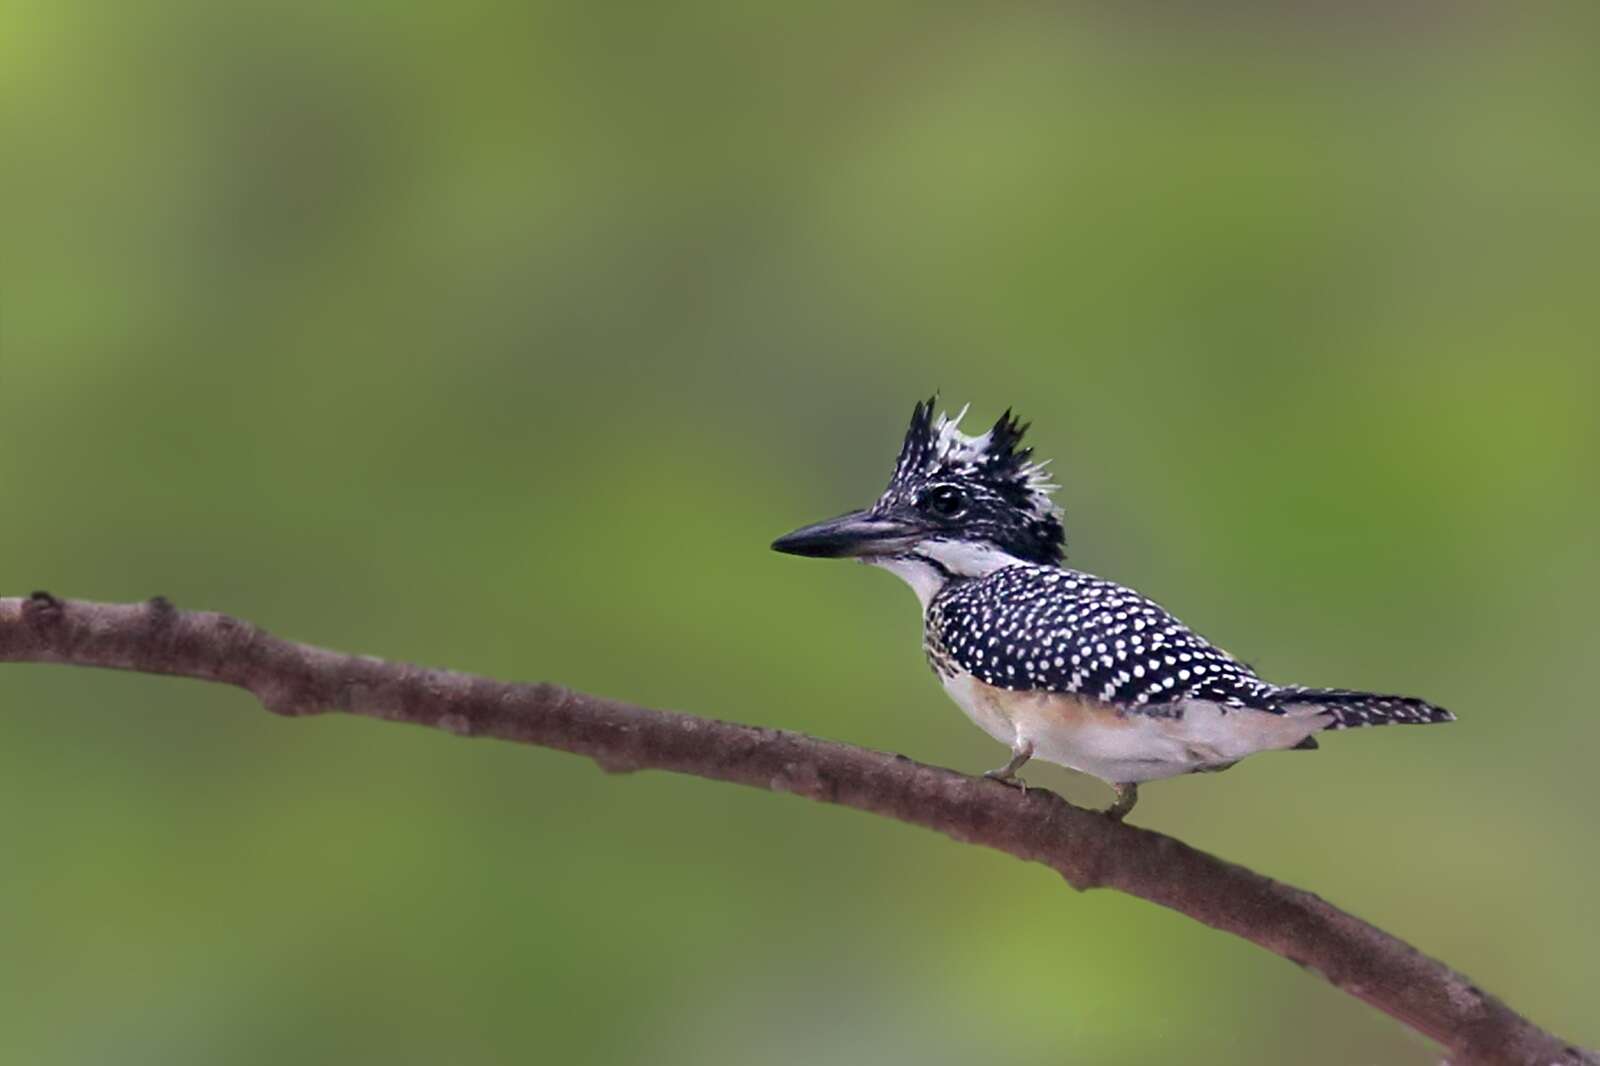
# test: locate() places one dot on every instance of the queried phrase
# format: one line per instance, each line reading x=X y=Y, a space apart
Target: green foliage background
x=505 y=336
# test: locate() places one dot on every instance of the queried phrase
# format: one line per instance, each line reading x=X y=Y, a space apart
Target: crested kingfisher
x=1054 y=663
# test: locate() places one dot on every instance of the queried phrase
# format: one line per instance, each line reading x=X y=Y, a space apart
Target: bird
x=1055 y=663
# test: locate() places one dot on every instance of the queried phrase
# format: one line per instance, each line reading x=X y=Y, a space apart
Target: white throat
x=954 y=558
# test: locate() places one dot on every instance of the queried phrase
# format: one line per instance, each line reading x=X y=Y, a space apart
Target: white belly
x=1095 y=738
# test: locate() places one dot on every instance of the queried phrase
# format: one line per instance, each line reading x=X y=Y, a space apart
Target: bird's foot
x=1021 y=752
x=1127 y=796
x=1006 y=776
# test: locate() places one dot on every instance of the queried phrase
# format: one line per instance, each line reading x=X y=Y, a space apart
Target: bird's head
x=957 y=506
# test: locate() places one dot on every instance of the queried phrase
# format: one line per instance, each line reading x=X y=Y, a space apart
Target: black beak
x=856 y=533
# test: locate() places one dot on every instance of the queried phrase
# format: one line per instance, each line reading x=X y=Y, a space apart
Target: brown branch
x=1090 y=851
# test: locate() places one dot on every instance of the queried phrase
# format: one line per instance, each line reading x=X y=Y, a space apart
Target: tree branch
x=1088 y=850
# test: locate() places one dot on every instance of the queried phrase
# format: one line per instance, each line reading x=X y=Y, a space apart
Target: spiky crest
x=1006 y=492
x=935 y=448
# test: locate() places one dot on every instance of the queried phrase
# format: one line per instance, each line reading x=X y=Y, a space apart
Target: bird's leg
x=1021 y=752
x=1127 y=796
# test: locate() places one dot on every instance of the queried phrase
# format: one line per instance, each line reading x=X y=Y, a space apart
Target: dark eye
x=945 y=501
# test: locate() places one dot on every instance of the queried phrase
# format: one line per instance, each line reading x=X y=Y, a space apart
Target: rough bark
x=1087 y=849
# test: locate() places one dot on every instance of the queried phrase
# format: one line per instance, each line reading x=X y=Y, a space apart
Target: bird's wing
x=1042 y=628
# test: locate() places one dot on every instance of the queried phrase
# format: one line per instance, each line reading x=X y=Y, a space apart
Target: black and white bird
x=1055 y=663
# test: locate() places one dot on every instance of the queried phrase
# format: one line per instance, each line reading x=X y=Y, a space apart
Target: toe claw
x=1007 y=778
x=1127 y=796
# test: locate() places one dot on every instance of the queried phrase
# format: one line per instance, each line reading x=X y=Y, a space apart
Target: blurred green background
x=505 y=336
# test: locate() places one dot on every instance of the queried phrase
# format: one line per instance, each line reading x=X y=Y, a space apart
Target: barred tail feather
x=1349 y=710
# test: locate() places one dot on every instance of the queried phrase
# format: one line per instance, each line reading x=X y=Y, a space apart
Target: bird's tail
x=1349 y=710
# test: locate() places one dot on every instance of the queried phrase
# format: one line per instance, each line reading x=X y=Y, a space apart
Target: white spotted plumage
x=1032 y=629
x=1057 y=663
